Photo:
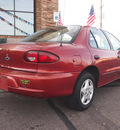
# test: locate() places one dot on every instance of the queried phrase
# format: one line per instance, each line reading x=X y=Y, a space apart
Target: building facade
x=20 y=18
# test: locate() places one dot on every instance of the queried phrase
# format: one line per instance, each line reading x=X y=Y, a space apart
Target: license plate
x=3 y=83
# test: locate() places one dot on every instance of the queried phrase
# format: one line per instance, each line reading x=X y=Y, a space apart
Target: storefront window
x=7 y=4
x=23 y=5
x=16 y=17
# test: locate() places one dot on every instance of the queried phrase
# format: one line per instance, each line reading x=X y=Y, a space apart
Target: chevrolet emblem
x=7 y=57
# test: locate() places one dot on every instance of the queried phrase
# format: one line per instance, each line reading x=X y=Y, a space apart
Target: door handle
x=97 y=57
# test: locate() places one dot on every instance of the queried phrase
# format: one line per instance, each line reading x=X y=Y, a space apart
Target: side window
x=114 y=41
x=92 y=41
x=101 y=39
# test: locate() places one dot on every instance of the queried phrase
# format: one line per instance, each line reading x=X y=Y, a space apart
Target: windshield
x=64 y=34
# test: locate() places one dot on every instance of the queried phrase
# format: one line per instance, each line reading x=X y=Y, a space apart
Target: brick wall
x=44 y=13
x=44 y=16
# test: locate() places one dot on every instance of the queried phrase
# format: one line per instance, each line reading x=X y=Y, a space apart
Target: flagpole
x=100 y=13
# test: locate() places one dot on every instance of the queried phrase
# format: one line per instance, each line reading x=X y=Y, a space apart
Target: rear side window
x=114 y=41
x=92 y=41
x=100 y=38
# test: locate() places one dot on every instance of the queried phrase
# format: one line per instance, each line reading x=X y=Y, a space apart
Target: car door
x=103 y=56
x=116 y=46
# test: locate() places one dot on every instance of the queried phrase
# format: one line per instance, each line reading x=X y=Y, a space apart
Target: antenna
x=100 y=13
x=60 y=24
x=61 y=38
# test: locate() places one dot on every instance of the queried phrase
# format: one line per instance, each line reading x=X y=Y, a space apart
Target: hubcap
x=86 y=92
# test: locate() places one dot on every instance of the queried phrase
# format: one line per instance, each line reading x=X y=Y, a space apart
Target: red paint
x=58 y=77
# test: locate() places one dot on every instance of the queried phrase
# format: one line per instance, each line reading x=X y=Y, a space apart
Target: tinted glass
x=100 y=38
x=114 y=41
x=92 y=41
x=55 y=34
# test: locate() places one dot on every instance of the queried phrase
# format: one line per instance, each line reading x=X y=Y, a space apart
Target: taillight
x=46 y=57
x=31 y=56
x=40 y=57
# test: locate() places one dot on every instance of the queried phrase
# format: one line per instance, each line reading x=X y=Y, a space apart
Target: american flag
x=92 y=17
x=59 y=20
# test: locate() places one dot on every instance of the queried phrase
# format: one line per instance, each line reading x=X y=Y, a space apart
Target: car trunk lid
x=12 y=56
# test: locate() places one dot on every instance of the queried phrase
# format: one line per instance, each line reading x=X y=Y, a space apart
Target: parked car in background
x=61 y=61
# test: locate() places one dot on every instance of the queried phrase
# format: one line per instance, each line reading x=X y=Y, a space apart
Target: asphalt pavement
x=25 y=113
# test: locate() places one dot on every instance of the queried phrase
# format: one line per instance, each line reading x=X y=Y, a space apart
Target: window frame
x=14 y=11
x=94 y=40
x=109 y=39
x=97 y=42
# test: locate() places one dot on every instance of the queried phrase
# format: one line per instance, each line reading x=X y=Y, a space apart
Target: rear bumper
x=38 y=85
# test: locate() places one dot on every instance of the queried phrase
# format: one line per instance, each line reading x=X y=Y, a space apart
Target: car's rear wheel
x=83 y=93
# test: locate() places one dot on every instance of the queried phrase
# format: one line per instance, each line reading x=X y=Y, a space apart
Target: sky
x=77 y=11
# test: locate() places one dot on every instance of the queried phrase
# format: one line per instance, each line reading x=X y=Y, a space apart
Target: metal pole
x=100 y=13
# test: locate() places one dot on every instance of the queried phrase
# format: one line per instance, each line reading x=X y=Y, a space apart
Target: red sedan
x=60 y=61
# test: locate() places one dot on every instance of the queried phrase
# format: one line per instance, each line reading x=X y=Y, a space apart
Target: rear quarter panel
x=72 y=57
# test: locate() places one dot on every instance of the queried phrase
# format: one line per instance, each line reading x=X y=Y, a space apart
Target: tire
x=83 y=93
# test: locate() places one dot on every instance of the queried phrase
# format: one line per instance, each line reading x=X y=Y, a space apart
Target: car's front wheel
x=83 y=93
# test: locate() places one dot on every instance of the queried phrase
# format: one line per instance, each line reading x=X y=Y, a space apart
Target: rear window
x=64 y=34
